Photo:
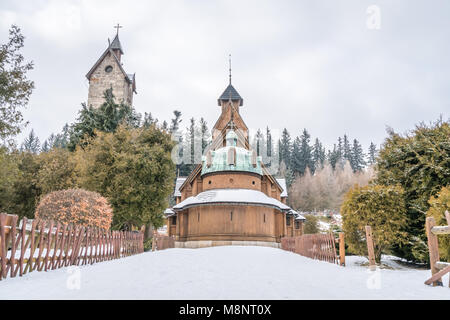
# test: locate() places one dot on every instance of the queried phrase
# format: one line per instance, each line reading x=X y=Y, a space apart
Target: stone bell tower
x=108 y=72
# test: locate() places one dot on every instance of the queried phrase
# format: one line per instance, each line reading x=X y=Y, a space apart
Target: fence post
x=342 y=249
x=371 y=251
x=433 y=248
x=154 y=241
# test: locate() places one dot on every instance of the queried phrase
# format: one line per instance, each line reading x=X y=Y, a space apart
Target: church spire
x=230 y=67
x=230 y=93
x=115 y=45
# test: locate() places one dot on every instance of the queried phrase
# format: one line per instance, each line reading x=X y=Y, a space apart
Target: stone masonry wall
x=102 y=80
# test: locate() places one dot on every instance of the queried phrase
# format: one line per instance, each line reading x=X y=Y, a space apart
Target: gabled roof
x=178 y=184
x=129 y=77
x=168 y=212
x=230 y=93
x=115 y=45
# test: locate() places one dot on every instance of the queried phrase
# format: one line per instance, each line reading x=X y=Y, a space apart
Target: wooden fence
x=41 y=245
x=164 y=242
x=438 y=268
x=316 y=246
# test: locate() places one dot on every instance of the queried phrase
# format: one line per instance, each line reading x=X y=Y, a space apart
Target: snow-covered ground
x=223 y=273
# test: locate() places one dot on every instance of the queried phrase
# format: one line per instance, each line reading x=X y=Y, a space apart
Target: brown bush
x=77 y=206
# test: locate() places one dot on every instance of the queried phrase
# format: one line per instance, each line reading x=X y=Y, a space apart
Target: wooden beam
x=442 y=265
x=342 y=249
x=433 y=249
x=370 y=249
x=437 y=276
x=440 y=230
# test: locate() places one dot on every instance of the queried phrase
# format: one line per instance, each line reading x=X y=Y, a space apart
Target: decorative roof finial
x=229 y=57
x=117 y=27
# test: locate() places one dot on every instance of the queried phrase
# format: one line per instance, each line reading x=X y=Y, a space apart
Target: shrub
x=438 y=206
x=77 y=206
x=311 y=224
x=381 y=207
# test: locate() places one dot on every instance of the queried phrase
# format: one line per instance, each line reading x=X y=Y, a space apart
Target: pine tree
x=318 y=155
x=175 y=125
x=45 y=146
x=357 y=159
x=372 y=153
x=285 y=148
x=347 y=155
x=192 y=140
x=148 y=120
x=296 y=163
x=31 y=143
x=306 y=160
x=333 y=157
x=165 y=126
x=269 y=142
x=205 y=136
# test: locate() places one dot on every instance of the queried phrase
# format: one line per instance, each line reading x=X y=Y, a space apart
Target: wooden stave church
x=231 y=198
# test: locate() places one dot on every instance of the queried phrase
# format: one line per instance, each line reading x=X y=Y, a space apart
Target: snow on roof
x=169 y=212
x=297 y=215
x=282 y=183
x=180 y=181
x=240 y=196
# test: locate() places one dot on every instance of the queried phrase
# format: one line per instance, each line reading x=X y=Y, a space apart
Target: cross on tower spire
x=117 y=27
x=229 y=57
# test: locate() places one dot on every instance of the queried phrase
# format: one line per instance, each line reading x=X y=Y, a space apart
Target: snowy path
x=222 y=273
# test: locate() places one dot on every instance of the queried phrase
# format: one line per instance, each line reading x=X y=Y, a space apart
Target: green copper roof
x=220 y=161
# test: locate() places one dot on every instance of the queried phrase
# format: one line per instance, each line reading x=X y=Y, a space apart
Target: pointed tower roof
x=115 y=44
x=230 y=93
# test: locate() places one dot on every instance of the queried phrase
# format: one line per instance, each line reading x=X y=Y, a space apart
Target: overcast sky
x=320 y=65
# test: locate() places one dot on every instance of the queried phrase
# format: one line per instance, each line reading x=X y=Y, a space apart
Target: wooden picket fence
x=164 y=242
x=438 y=268
x=40 y=245
x=316 y=246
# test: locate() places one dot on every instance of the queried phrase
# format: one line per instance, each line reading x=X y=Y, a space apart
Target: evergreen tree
x=372 y=153
x=148 y=120
x=381 y=207
x=106 y=118
x=61 y=140
x=347 y=155
x=122 y=167
x=357 y=159
x=165 y=126
x=305 y=160
x=31 y=143
x=419 y=162
x=285 y=148
x=269 y=142
x=318 y=155
x=45 y=146
x=259 y=143
x=205 y=136
x=333 y=157
x=15 y=88
x=296 y=158
x=175 y=122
